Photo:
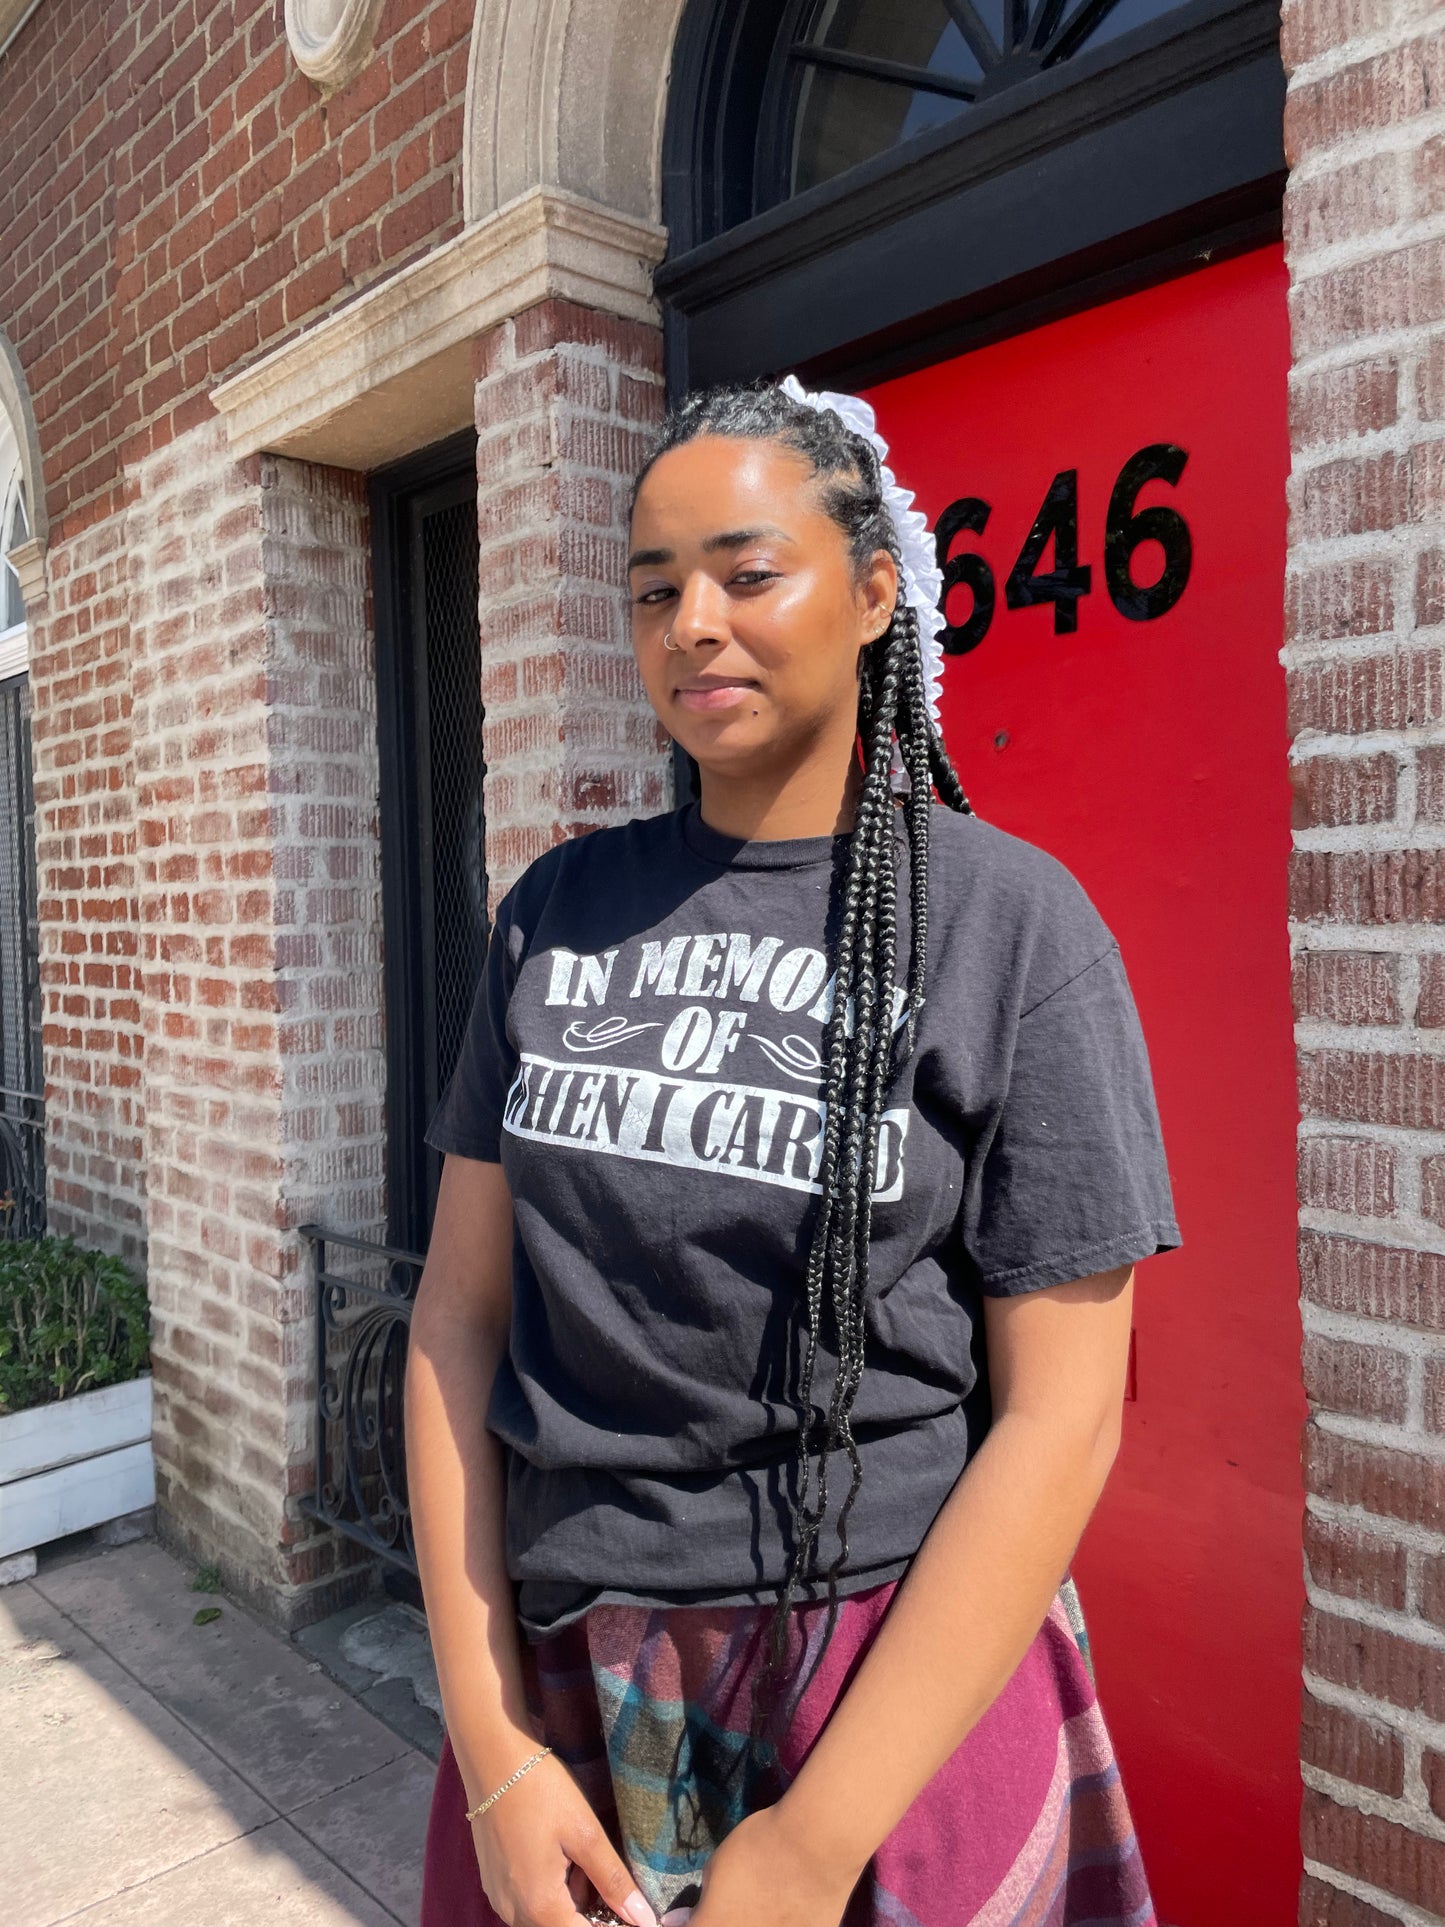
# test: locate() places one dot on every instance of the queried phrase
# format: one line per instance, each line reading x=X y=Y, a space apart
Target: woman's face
x=733 y=560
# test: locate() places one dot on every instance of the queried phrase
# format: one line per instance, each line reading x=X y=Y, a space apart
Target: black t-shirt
x=644 y=1059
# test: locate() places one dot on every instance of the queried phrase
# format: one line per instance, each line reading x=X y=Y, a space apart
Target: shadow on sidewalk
x=158 y=1771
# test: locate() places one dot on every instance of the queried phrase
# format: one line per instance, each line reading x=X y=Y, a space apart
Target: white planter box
x=75 y=1463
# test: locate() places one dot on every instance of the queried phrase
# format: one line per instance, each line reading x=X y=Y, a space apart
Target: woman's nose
x=701 y=614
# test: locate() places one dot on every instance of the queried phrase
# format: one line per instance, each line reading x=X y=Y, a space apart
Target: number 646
x=1124 y=529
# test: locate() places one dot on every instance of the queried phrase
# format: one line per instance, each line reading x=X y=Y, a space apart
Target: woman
x=816 y=1096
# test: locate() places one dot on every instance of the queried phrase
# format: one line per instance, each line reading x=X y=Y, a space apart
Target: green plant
x=70 y=1320
x=207 y=1579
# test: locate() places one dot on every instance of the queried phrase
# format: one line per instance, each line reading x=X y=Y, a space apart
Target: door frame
x=1084 y=182
x=442 y=474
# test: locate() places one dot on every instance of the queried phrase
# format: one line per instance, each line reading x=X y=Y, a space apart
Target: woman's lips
x=713 y=695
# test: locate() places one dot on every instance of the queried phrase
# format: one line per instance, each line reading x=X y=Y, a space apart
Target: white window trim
x=13 y=640
x=14 y=651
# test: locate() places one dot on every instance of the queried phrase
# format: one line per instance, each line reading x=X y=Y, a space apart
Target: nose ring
x=668 y=643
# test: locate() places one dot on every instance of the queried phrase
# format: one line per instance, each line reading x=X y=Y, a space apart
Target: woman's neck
x=806 y=803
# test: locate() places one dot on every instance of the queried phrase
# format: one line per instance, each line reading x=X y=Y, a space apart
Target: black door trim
x=436 y=477
x=1103 y=174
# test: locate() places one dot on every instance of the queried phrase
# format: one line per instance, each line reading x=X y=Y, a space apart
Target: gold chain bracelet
x=484 y=1804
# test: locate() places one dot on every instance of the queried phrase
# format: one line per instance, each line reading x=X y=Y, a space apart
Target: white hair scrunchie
x=922 y=584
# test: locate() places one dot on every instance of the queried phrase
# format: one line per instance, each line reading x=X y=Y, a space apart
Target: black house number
x=1069 y=579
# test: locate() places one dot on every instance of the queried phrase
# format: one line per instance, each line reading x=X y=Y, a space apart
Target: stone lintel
x=392 y=371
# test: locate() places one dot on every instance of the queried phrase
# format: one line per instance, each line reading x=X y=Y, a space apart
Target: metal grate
x=434 y=891
x=453 y=866
x=364 y=1295
x=22 y=1131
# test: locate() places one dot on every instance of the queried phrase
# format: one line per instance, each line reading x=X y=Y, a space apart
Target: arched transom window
x=871 y=74
x=847 y=180
x=14 y=529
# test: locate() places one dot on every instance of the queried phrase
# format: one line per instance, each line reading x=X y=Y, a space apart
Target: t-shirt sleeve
x=468 y=1120
x=1073 y=1178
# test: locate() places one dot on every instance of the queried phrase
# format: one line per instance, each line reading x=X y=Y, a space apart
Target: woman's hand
x=531 y=1844
x=760 y=1877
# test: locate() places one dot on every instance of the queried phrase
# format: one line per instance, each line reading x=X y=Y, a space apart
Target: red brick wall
x=564 y=395
x=258 y=889
x=1366 y=623
x=176 y=196
x=80 y=681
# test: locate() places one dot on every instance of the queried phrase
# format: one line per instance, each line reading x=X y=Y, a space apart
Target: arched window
x=14 y=529
x=16 y=532
x=862 y=76
x=846 y=179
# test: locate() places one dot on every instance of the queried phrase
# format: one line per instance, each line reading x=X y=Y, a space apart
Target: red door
x=1121 y=475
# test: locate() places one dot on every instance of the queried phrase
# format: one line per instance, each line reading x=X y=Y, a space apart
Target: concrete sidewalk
x=157 y=1773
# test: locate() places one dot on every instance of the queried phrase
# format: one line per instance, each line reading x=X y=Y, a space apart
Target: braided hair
x=862 y=1051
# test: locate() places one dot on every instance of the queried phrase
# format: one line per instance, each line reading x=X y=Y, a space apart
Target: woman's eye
x=749 y=576
x=649 y=596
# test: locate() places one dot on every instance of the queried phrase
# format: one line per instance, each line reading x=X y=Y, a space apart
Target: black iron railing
x=22 y=1164
x=364 y=1294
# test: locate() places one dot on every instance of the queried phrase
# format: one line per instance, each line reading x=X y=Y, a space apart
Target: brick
x=1347 y=1174
x=1435 y=1394
x=360 y=199
x=1432 y=1588
x=1343 y=789
x=1398 y=690
x=1377 y=1479
x=1309 y=28
x=1429 y=177
x=634 y=344
x=1376 y=92
x=1366 y=1381
x=1356 y=495
x=1430 y=589
x=1337 y=404
x=1346 y=987
x=1373 y=1087
x=1430 y=380
x=1432 y=1189
x=1385 y=293
x=1364 y=1752
x=1367 y=886
x=1381 y=1665
x=1322 y=1905
x=182 y=131
x=1430 y=1004
x=1353 y=1563
x=1374 y=1850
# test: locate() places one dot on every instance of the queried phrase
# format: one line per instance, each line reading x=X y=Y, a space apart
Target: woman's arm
x=968 y=1607
x=541 y=1827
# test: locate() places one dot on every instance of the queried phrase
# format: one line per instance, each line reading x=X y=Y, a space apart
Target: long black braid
x=863 y=1050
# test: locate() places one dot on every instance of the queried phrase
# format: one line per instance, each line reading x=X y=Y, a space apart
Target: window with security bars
x=22 y=1150
x=434 y=887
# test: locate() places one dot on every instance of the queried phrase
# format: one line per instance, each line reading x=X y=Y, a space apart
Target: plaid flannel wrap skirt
x=1024 y=1825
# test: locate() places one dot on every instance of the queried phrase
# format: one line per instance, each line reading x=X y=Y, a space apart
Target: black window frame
x=1122 y=165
